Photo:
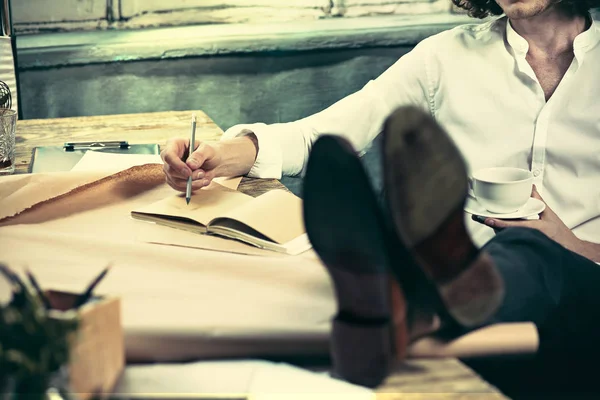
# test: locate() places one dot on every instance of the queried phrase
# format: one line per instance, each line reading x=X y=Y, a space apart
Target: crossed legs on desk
x=415 y=272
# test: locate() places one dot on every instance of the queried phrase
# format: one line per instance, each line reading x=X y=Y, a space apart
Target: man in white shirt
x=518 y=91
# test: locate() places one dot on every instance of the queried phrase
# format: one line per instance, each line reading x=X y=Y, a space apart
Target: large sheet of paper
x=179 y=302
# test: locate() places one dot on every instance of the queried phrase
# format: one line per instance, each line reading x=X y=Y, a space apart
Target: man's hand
x=233 y=157
x=549 y=224
x=201 y=165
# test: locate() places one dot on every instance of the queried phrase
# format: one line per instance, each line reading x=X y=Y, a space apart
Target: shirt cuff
x=268 y=163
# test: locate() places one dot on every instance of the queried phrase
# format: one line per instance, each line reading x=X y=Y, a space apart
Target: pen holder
x=97 y=352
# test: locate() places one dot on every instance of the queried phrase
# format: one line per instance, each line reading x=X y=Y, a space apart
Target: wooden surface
x=435 y=379
x=446 y=379
x=135 y=128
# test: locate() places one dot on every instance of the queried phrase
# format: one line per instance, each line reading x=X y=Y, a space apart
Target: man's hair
x=484 y=8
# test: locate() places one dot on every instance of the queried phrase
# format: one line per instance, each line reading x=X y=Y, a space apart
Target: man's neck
x=551 y=32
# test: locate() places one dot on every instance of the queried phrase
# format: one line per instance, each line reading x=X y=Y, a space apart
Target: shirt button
x=536 y=173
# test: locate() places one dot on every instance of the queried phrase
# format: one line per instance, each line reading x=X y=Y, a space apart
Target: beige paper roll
x=499 y=339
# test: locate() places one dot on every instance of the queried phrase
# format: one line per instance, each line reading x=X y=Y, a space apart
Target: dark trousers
x=559 y=291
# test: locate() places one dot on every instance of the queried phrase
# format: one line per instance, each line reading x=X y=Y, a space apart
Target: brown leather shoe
x=348 y=231
x=426 y=185
x=345 y=228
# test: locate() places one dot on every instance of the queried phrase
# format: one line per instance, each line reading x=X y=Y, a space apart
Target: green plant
x=34 y=341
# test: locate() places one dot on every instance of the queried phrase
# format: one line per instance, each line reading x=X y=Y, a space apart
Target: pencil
x=188 y=191
x=83 y=298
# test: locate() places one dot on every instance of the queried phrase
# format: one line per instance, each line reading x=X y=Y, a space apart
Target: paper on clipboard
x=114 y=162
x=64 y=158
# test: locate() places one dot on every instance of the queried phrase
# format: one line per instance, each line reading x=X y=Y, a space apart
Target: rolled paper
x=498 y=339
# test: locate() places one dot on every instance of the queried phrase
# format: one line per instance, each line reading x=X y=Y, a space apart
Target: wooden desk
x=416 y=379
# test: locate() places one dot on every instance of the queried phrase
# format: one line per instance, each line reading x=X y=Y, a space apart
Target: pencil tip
x=187 y=200
x=193 y=117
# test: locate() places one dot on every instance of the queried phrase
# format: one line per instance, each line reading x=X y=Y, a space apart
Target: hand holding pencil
x=197 y=168
x=187 y=170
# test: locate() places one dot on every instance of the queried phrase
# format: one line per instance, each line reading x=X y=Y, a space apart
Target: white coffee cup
x=502 y=190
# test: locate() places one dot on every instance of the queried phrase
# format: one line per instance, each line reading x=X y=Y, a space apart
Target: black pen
x=37 y=288
x=83 y=298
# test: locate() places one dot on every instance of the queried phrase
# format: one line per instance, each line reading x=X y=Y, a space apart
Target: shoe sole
x=426 y=181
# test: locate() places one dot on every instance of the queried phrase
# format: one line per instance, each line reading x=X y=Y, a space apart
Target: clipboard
x=63 y=158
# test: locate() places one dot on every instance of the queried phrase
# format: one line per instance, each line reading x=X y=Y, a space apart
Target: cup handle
x=470 y=187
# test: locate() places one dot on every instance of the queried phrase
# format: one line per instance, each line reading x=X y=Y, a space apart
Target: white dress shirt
x=476 y=82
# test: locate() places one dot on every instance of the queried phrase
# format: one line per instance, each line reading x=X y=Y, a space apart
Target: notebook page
x=276 y=214
x=205 y=204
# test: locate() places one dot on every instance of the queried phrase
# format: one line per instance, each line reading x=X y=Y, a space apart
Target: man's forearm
x=238 y=155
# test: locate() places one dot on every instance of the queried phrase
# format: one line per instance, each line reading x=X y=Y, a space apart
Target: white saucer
x=531 y=208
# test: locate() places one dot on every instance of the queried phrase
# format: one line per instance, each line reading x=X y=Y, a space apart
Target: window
x=71 y=15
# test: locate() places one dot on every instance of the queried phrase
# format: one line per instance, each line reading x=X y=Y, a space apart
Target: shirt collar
x=516 y=41
x=588 y=39
x=582 y=43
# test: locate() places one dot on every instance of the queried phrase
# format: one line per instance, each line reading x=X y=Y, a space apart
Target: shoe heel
x=345 y=225
x=362 y=353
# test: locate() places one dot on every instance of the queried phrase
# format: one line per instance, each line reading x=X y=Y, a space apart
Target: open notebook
x=272 y=221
